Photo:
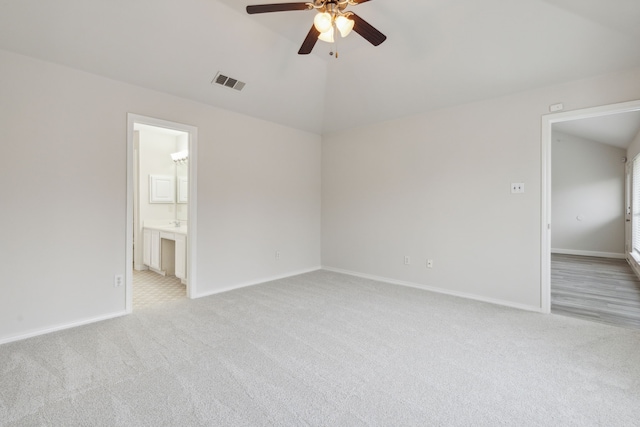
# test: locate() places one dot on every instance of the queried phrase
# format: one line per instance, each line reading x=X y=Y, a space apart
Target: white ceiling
x=438 y=53
x=618 y=130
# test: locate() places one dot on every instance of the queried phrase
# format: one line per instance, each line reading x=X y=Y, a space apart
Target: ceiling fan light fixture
x=323 y=22
x=327 y=36
x=345 y=25
x=330 y=17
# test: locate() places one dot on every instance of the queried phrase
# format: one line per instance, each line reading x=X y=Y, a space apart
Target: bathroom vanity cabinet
x=181 y=256
x=156 y=251
x=151 y=250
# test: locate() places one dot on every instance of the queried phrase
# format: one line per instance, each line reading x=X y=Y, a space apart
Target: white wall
x=587 y=205
x=155 y=159
x=436 y=186
x=64 y=194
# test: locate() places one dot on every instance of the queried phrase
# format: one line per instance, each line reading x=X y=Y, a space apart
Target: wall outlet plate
x=517 y=187
x=118 y=280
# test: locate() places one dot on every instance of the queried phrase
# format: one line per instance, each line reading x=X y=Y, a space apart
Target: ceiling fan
x=332 y=18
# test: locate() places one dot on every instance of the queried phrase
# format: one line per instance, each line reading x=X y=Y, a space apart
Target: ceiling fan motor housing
x=330 y=5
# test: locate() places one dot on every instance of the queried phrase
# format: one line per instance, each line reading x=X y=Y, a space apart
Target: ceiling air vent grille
x=227 y=81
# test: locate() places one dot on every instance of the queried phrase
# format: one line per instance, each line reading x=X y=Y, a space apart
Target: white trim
x=632 y=260
x=588 y=253
x=435 y=289
x=192 y=232
x=545 y=226
x=545 y=218
x=259 y=281
x=193 y=208
x=48 y=330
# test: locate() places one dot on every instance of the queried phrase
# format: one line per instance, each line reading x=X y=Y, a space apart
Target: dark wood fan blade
x=278 y=7
x=360 y=1
x=309 y=42
x=367 y=31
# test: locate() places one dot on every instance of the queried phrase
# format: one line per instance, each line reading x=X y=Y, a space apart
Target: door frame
x=132 y=119
x=628 y=197
x=545 y=226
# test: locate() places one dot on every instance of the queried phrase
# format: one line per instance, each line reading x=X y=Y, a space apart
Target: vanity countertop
x=168 y=228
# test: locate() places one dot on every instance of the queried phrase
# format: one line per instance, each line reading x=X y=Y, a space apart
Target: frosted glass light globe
x=327 y=36
x=323 y=22
x=345 y=25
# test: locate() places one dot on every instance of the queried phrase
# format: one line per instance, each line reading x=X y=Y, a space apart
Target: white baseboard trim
x=48 y=330
x=633 y=263
x=588 y=253
x=258 y=282
x=437 y=290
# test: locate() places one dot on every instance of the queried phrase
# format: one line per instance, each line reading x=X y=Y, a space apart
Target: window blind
x=635 y=203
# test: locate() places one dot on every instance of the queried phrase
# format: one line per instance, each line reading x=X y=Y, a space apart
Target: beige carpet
x=324 y=349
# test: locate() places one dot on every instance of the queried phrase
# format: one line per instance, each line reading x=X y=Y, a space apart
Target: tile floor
x=150 y=289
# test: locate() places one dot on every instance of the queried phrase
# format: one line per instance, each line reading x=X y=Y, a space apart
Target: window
x=635 y=203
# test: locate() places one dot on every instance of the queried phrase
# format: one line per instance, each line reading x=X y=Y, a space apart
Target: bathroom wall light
x=180 y=156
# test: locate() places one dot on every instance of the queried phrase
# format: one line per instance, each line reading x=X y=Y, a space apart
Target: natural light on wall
x=635 y=203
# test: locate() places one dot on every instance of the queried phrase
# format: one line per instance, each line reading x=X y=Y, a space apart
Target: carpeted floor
x=325 y=349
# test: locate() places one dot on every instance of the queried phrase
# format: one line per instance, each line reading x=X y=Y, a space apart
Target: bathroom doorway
x=161 y=218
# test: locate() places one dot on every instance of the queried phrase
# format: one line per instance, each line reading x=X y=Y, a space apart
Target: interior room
x=160 y=215
x=591 y=242
x=368 y=227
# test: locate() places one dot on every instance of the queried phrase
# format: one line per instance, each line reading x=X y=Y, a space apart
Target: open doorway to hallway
x=161 y=212
x=589 y=213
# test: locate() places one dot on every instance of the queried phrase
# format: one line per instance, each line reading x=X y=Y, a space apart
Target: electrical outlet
x=407 y=260
x=429 y=263
x=118 y=280
x=277 y=254
x=517 y=187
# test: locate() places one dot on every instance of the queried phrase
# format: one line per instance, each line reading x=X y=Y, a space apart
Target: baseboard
x=633 y=263
x=588 y=253
x=48 y=330
x=258 y=282
x=160 y=272
x=437 y=290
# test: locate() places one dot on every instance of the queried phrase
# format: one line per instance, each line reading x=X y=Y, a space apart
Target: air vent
x=227 y=81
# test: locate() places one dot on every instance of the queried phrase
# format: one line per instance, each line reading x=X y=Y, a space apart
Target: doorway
x=161 y=210
x=548 y=122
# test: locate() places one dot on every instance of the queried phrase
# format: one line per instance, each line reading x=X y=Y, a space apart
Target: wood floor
x=600 y=289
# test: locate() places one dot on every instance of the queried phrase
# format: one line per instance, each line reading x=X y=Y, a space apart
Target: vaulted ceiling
x=438 y=53
x=618 y=130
